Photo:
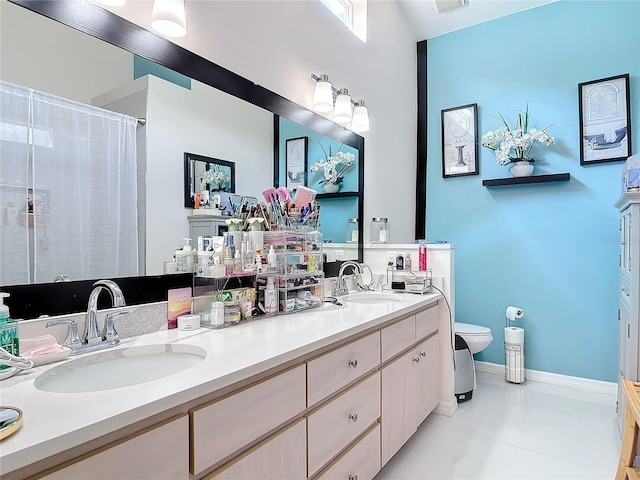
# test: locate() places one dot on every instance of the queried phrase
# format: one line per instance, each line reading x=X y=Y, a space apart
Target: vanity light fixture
x=323 y=95
x=169 y=18
x=360 y=121
x=343 y=112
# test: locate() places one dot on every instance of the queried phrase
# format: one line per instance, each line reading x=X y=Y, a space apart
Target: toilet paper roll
x=514 y=335
x=514 y=312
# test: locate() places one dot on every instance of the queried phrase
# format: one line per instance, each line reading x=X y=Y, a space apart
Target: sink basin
x=372 y=298
x=119 y=368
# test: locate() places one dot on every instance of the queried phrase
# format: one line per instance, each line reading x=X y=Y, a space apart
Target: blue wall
x=334 y=212
x=551 y=249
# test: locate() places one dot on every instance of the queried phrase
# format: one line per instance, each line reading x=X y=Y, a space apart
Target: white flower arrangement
x=515 y=145
x=215 y=176
x=334 y=166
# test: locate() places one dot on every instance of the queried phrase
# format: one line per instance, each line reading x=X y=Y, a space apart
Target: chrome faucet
x=341 y=286
x=91 y=330
x=92 y=338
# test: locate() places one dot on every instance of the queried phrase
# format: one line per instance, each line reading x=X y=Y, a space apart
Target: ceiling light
x=342 y=111
x=169 y=18
x=360 y=122
x=323 y=95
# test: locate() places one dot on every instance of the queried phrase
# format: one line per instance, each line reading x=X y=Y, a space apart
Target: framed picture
x=296 y=162
x=460 y=141
x=206 y=176
x=605 y=120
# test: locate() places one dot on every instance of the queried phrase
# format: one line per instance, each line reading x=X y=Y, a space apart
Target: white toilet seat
x=470 y=329
x=477 y=337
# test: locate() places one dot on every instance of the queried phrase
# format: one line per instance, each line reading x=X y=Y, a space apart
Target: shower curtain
x=69 y=174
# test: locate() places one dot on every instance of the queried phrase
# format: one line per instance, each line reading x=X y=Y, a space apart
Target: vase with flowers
x=514 y=145
x=217 y=177
x=333 y=167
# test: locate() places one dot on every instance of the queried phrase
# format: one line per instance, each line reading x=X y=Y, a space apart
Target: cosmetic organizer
x=298 y=273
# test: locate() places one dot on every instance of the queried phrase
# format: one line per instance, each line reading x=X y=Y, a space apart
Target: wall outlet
x=391 y=259
x=339 y=254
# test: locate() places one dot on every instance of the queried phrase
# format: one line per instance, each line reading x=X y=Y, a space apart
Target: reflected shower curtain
x=83 y=191
x=14 y=181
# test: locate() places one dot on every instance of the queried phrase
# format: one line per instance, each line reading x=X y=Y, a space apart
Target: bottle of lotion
x=272 y=260
x=270 y=297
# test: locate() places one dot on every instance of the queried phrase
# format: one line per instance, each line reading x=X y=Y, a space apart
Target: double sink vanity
x=332 y=392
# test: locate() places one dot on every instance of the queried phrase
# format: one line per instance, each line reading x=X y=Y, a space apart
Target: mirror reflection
x=10 y=420
x=182 y=115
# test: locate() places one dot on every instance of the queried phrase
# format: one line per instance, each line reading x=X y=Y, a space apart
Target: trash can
x=464 y=375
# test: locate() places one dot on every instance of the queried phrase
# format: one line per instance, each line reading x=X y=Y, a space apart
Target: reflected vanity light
x=343 y=112
x=169 y=18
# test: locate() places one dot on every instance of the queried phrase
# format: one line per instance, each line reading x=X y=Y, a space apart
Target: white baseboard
x=446 y=408
x=598 y=386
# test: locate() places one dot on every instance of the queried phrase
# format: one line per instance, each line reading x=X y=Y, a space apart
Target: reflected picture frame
x=459 y=128
x=605 y=120
x=296 y=158
x=222 y=178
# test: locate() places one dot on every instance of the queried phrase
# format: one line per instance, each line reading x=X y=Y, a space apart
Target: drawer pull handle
x=353 y=477
x=353 y=363
x=353 y=417
x=423 y=354
x=416 y=359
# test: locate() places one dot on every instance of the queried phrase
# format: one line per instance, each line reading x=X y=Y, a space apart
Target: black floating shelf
x=337 y=195
x=500 y=182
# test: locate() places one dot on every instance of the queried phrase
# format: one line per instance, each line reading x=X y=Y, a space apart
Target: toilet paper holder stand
x=514 y=353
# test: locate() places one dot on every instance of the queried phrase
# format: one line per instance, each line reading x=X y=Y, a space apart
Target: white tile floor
x=507 y=431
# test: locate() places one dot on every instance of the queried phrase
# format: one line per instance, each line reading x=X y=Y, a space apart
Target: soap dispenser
x=8 y=331
x=185 y=256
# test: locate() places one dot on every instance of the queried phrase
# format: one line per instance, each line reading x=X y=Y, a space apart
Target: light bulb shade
x=110 y=3
x=360 y=122
x=342 y=112
x=323 y=95
x=169 y=18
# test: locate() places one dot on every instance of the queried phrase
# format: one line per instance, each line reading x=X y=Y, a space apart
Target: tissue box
x=631 y=174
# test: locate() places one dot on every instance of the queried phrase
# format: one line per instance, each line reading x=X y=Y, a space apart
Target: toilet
x=477 y=338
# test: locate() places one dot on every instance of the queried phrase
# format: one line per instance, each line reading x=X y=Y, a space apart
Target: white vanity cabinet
x=224 y=426
x=206 y=225
x=161 y=451
x=628 y=297
x=411 y=382
x=339 y=411
x=282 y=456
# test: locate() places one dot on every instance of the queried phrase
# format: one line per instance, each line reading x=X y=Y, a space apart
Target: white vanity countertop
x=54 y=422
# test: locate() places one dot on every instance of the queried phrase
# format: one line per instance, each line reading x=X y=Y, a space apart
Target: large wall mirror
x=204 y=109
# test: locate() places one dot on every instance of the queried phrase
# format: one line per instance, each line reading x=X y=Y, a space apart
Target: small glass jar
x=352 y=230
x=379 y=230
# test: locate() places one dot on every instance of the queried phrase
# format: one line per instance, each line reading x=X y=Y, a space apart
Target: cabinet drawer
x=625 y=291
x=157 y=452
x=397 y=337
x=335 y=369
x=427 y=321
x=222 y=427
x=362 y=461
x=280 y=457
x=339 y=422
